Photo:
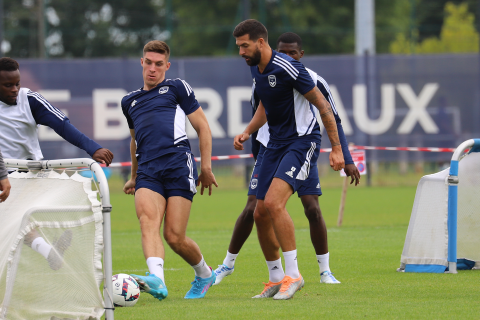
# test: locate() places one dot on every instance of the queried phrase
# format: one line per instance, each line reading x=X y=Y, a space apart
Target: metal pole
x=41 y=28
x=365 y=48
x=364 y=27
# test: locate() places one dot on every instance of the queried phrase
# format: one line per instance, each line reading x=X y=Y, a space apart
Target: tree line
x=120 y=28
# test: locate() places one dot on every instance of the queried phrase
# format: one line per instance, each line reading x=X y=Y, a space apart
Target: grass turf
x=365 y=252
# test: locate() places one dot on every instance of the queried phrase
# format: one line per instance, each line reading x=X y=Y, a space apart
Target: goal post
x=469 y=146
x=47 y=202
x=442 y=234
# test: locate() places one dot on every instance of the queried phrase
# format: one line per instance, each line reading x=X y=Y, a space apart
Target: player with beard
x=287 y=92
x=290 y=44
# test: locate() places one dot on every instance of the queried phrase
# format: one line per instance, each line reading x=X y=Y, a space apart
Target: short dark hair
x=290 y=37
x=255 y=30
x=158 y=47
x=8 y=64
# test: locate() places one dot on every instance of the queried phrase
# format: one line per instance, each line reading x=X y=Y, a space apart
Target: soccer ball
x=126 y=290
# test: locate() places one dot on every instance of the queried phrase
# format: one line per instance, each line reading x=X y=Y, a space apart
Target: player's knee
x=260 y=215
x=148 y=225
x=272 y=206
x=247 y=214
x=313 y=212
x=173 y=239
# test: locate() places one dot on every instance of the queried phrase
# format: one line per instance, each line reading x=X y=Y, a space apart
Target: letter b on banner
x=108 y=119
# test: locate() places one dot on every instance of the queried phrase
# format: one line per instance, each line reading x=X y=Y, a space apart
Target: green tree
x=458 y=35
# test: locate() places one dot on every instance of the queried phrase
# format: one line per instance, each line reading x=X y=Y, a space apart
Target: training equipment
x=126 y=290
x=152 y=284
x=221 y=272
x=445 y=220
x=61 y=207
x=200 y=287
x=289 y=287
x=327 y=277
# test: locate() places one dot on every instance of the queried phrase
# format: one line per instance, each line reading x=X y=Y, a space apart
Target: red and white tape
x=246 y=156
x=405 y=149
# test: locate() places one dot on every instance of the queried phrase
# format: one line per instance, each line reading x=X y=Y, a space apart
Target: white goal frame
x=106 y=209
x=471 y=145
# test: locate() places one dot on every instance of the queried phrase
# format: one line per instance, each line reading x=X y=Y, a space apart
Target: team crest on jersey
x=254 y=183
x=272 y=80
x=163 y=90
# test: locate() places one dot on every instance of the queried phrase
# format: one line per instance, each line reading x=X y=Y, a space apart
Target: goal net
x=429 y=246
x=64 y=282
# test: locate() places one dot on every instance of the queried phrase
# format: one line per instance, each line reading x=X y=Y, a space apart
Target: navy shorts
x=311 y=186
x=173 y=174
x=252 y=188
x=290 y=162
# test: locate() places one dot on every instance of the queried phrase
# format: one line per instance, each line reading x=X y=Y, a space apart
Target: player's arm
x=326 y=113
x=4 y=183
x=129 y=187
x=200 y=124
x=350 y=167
x=46 y=114
x=258 y=120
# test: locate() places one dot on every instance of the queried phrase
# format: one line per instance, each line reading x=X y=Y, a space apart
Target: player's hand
x=352 y=172
x=5 y=188
x=239 y=140
x=336 y=159
x=103 y=155
x=129 y=187
x=207 y=179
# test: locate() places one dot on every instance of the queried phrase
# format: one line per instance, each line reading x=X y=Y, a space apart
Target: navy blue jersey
x=158 y=118
x=46 y=114
x=281 y=87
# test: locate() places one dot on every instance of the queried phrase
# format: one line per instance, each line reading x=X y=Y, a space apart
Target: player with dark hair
x=4 y=183
x=164 y=174
x=290 y=43
x=21 y=111
x=286 y=92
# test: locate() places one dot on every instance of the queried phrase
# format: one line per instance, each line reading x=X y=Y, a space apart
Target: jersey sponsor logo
x=133 y=103
x=290 y=173
x=272 y=80
x=254 y=183
x=163 y=90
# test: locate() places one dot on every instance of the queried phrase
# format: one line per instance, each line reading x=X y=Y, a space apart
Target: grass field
x=365 y=253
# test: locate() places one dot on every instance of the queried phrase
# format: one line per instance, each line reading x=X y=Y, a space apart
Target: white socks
x=291 y=266
x=230 y=259
x=202 y=270
x=323 y=262
x=41 y=246
x=275 y=270
x=155 y=266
